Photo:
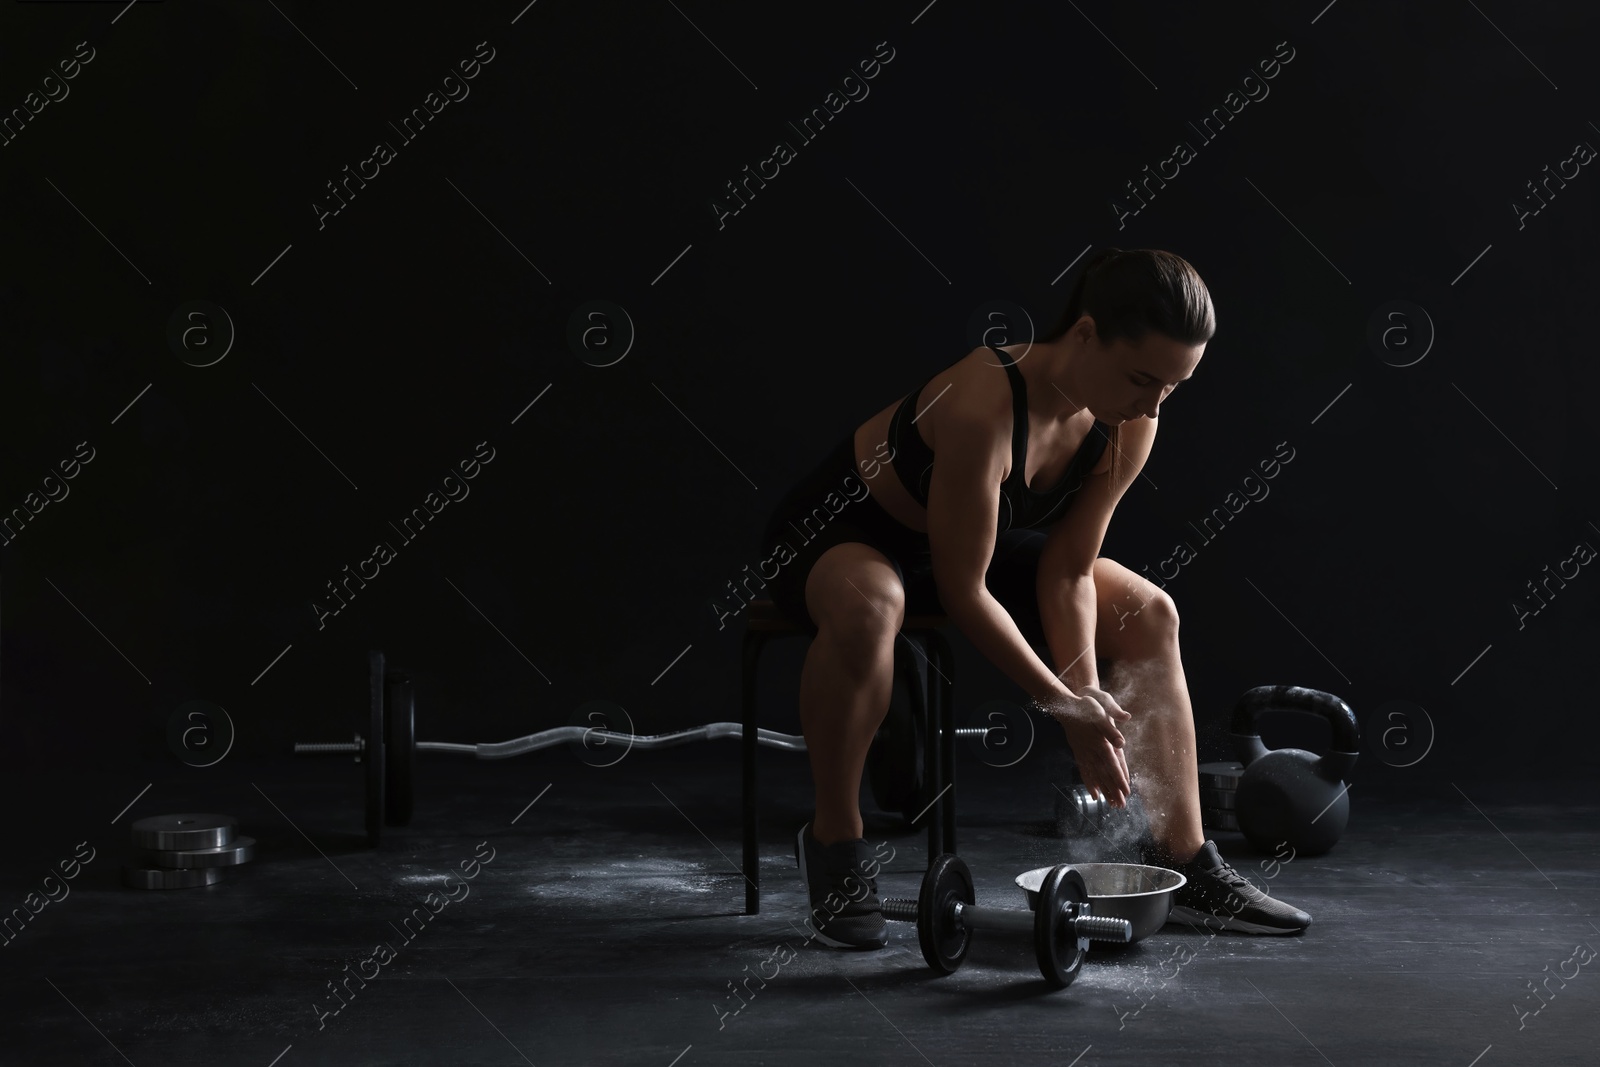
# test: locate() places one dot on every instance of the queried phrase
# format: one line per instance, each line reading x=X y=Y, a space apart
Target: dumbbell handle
x=1013 y=920
x=1103 y=928
x=900 y=908
x=1001 y=920
x=321 y=748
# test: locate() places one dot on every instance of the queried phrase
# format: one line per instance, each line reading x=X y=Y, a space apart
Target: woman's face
x=1128 y=381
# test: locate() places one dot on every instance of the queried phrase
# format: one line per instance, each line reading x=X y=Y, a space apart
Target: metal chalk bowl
x=1133 y=891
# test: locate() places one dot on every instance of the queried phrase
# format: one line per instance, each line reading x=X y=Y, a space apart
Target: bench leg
x=942 y=682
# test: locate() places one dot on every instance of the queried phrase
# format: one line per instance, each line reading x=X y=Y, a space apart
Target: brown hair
x=1132 y=293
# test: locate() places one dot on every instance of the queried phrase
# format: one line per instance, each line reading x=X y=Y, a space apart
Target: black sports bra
x=1020 y=506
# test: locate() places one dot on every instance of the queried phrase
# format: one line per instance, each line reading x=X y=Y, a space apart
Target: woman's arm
x=963 y=500
x=1067 y=608
x=1068 y=600
x=1065 y=582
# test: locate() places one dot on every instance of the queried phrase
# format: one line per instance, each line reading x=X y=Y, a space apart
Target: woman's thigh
x=790 y=589
x=858 y=593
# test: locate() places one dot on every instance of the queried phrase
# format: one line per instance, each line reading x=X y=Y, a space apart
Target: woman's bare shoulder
x=972 y=391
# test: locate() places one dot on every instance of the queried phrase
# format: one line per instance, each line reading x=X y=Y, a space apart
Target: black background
x=415 y=325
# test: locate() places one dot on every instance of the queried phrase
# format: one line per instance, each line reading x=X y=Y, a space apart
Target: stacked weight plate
x=1218 y=784
x=183 y=850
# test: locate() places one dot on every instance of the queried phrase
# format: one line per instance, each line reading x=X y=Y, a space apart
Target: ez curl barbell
x=388 y=750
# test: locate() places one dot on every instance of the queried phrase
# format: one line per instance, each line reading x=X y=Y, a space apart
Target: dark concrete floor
x=607 y=929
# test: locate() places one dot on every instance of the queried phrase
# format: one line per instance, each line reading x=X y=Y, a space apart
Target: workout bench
x=933 y=703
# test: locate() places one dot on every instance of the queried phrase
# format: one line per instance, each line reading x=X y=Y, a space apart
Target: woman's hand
x=1089 y=717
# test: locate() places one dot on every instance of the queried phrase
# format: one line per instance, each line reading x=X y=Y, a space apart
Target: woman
x=990 y=491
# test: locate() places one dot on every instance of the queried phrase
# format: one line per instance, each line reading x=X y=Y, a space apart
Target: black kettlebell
x=1289 y=794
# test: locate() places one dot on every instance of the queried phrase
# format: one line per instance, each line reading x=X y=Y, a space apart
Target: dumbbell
x=1061 y=925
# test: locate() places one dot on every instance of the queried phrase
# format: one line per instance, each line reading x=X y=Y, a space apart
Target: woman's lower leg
x=1160 y=747
x=844 y=695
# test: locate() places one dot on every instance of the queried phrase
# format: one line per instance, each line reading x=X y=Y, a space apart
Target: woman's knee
x=1154 y=618
x=1136 y=618
x=857 y=600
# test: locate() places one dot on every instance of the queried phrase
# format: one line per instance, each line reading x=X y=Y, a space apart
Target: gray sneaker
x=1220 y=898
x=845 y=909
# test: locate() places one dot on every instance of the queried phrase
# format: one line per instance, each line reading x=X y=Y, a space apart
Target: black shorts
x=833 y=504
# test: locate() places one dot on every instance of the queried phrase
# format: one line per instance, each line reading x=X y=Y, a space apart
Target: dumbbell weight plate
x=1221 y=775
x=1062 y=897
x=164 y=878
x=1077 y=813
x=183 y=831
x=400 y=749
x=944 y=945
x=239 y=850
x=374 y=753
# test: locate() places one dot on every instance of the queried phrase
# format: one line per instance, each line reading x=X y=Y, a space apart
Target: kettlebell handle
x=1346 y=744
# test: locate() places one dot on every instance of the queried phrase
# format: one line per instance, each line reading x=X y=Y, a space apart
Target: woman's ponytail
x=1131 y=293
x=1075 y=297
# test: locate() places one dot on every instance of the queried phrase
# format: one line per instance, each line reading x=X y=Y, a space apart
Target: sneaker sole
x=831 y=943
x=1209 y=921
x=800 y=858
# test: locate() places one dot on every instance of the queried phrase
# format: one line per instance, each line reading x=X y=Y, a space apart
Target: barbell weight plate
x=891 y=761
x=1219 y=819
x=917 y=799
x=400 y=750
x=374 y=754
x=914 y=663
x=184 y=830
x=1062 y=898
x=167 y=878
x=944 y=944
x=239 y=850
x=1221 y=799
